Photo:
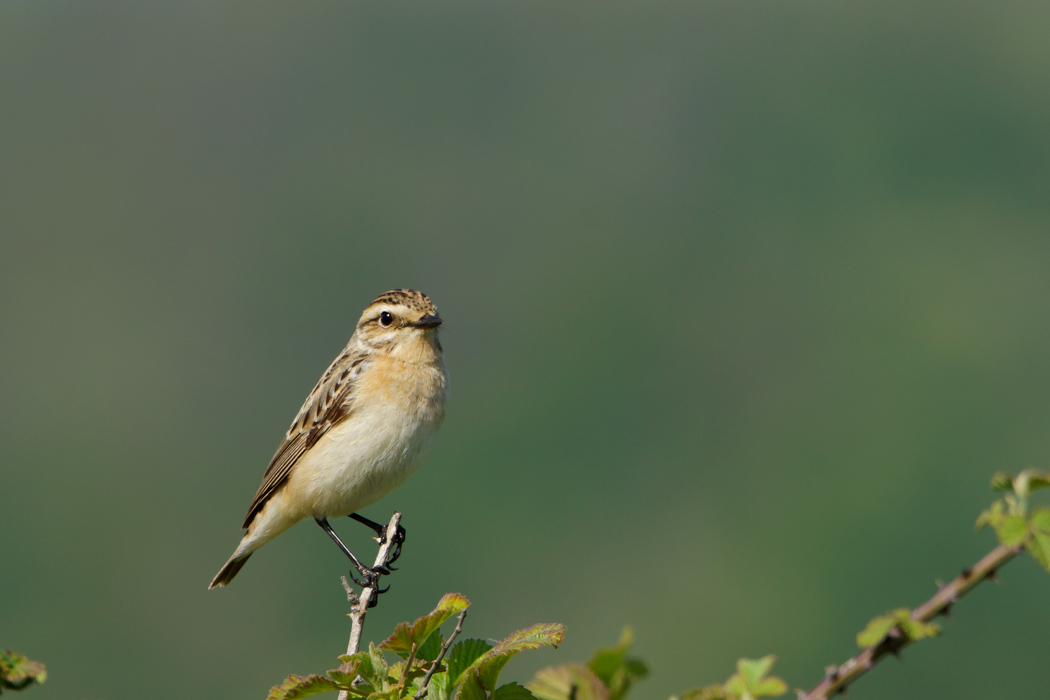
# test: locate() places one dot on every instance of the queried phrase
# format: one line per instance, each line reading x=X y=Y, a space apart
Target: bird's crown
x=416 y=301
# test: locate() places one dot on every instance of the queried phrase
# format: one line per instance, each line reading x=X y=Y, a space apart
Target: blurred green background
x=744 y=302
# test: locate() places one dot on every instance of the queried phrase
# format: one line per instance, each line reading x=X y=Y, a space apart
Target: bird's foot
x=370 y=578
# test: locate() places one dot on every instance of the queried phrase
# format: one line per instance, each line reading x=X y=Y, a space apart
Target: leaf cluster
x=18 y=672
x=428 y=665
x=751 y=681
x=1014 y=522
x=607 y=676
x=897 y=626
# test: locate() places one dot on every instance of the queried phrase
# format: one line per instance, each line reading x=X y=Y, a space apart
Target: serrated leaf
x=567 y=682
x=406 y=636
x=491 y=664
x=1039 y=547
x=1012 y=530
x=512 y=691
x=462 y=655
x=295 y=687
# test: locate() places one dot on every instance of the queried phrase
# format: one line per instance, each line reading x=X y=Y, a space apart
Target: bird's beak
x=427 y=321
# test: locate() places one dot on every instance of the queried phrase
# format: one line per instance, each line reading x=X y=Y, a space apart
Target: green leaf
x=771 y=686
x=753 y=671
x=470 y=688
x=916 y=630
x=567 y=682
x=1012 y=530
x=993 y=516
x=462 y=655
x=438 y=688
x=750 y=679
x=301 y=687
x=899 y=619
x=512 y=691
x=431 y=648
x=1039 y=547
x=878 y=628
x=399 y=641
x=1040 y=520
x=361 y=662
x=607 y=661
x=615 y=669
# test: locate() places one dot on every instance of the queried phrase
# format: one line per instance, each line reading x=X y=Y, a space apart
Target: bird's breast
x=395 y=412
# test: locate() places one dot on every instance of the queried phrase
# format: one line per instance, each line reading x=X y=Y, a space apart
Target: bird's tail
x=229 y=570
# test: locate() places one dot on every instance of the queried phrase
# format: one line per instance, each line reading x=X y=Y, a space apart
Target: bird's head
x=401 y=322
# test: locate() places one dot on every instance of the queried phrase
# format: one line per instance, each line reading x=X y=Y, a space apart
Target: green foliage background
x=744 y=302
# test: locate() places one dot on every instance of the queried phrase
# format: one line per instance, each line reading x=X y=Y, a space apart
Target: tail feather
x=229 y=570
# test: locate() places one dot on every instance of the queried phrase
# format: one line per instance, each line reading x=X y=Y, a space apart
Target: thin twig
x=361 y=604
x=839 y=677
x=441 y=657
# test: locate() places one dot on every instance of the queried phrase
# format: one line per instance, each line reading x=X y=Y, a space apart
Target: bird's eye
x=385 y=319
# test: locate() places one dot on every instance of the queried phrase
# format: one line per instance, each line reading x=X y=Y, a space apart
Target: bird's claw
x=399 y=539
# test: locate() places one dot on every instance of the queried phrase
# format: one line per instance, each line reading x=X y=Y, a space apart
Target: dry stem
x=839 y=677
x=441 y=657
x=361 y=602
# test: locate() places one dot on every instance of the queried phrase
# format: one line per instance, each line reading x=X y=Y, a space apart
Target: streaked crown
x=409 y=298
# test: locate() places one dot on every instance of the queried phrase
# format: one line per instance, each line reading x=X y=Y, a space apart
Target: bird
x=362 y=431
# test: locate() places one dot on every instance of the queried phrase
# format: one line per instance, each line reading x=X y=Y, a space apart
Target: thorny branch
x=441 y=657
x=362 y=602
x=839 y=677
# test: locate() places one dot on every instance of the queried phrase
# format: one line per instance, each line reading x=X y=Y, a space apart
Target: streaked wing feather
x=330 y=403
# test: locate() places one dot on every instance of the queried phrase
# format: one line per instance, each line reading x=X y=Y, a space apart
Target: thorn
x=947 y=610
x=966 y=572
x=831 y=673
x=993 y=576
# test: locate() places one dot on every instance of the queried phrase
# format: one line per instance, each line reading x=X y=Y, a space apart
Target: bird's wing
x=330 y=403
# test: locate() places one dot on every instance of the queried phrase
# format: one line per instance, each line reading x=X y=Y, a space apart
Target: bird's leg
x=399 y=536
x=370 y=575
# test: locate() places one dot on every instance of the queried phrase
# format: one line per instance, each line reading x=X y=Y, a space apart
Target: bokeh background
x=745 y=303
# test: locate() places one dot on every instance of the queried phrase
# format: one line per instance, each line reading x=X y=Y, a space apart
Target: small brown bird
x=362 y=431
